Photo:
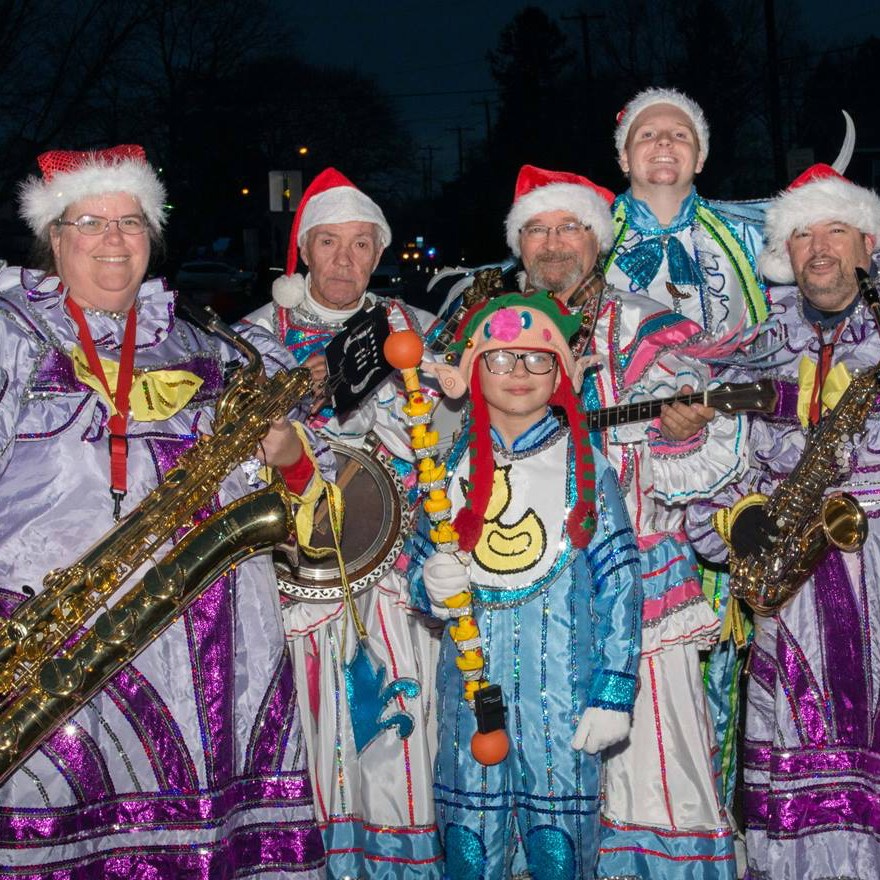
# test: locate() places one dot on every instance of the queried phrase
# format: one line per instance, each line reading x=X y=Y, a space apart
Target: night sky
x=417 y=51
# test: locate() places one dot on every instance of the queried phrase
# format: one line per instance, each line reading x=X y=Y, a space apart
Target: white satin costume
x=662 y=817
x=708 y=254
x=368 y=708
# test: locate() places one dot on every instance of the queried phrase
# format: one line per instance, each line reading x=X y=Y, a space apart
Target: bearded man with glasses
x=661 y=805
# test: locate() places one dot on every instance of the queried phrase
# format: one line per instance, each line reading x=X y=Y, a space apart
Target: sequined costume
x=662 y=812
x=374 y=804
x=661 y=816
x=560 y=631
x=708 y=253
x=812 y=742
x=190 y=762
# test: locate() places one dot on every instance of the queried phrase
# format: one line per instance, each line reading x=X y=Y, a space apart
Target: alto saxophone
x=48 y=669
x=808 y=520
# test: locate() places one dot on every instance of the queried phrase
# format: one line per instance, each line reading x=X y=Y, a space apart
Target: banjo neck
x=731 y=397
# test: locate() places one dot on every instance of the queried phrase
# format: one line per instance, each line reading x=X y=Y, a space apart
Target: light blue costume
x=561 y=632
x=708 y=252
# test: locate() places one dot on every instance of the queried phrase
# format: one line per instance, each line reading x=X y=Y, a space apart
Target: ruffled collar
x=640 y=215
x=532 y=437
x=155 y=312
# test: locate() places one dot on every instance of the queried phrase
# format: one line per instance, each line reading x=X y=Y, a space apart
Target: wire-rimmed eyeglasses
x=89 y=224
x=537 y=231
x=500 y=361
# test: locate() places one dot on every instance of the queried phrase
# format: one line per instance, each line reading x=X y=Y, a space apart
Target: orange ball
x=490 y=748
x=403 y=349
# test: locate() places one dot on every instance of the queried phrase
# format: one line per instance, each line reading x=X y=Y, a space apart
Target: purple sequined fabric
x=190 y=762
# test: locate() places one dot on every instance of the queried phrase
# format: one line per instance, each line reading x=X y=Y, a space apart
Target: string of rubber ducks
x=403 y=350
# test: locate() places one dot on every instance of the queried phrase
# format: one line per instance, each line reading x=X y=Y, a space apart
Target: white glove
x=446 y=575
x=600 y=728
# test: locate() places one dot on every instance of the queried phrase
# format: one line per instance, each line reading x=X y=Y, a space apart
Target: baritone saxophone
x=49 y=665
x=810 y=520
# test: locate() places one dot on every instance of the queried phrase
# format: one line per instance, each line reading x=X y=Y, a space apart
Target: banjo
x=373 y=529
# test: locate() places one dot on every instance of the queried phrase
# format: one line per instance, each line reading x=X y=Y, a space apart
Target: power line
x=437 y=94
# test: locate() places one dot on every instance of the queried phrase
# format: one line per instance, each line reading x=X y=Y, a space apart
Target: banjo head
x=372 y=533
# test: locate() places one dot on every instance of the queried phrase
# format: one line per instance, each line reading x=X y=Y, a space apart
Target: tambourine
x=372 y=531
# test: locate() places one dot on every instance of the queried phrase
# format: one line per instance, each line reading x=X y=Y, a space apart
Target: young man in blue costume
x=698 y=258
x=548 y=556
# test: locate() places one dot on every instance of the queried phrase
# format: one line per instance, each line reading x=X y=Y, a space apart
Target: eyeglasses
x=563 y=230
x=500 y=361
x=130 y=224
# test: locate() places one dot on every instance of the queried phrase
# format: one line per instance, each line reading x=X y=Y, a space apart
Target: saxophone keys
x=8 y=737
x=61 y=676
x=165 y=581
x=116 y=626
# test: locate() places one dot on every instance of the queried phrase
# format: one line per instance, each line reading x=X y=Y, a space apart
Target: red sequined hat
x=71 y=175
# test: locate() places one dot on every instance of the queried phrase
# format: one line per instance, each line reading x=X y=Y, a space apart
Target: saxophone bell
x=844 y=523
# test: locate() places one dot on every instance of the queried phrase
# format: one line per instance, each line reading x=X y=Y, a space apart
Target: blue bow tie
x=642 y=262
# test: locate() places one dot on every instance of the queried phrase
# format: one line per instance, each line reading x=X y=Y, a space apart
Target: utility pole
x=428 y=171
x=584 y=18
x=485 y=105
x=458 y=129
x=590 y=133
x=779 y=170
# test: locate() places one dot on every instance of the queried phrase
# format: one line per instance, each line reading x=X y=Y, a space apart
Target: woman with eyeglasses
x=189 y=762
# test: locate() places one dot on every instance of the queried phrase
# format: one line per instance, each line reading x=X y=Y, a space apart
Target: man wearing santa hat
x=372 y=778
x=661 y=805
x=812 y=742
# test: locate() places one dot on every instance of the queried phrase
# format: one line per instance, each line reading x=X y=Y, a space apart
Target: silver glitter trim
x=509 y=455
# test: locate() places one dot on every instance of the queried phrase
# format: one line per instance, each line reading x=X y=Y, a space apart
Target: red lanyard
x=823 y=367
x=118 y=422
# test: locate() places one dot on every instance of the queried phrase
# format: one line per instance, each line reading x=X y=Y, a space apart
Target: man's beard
x=830 y=290
x=554 y=273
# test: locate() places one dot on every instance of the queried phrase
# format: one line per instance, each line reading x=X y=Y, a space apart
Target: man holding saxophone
x=187 y=761
x=812 y=743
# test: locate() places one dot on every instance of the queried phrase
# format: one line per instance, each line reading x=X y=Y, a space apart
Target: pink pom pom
x=505 y=325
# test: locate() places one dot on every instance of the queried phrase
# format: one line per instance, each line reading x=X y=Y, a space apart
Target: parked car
x=387 y=280
x=223 y=287
x=220 y=277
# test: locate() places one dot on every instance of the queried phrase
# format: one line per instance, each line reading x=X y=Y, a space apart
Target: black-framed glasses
x=89 y=224
x=500 y=361
x=537 y=231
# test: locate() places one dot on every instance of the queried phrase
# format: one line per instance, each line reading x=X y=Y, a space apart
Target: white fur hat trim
x=820 y=201
x=342 y=204
x=587 y=205
x=650 y=97
x=42 y=201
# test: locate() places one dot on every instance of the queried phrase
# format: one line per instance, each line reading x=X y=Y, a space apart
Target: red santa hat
x=71 y=175
x=819 y=195
x=648 y=98
x=329 y=198
x=538 y=190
